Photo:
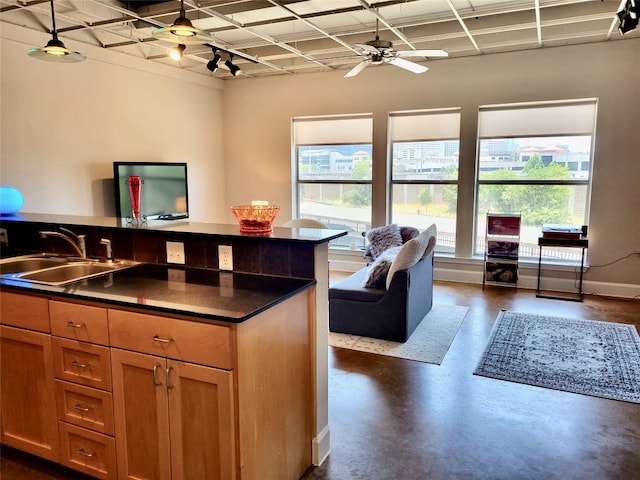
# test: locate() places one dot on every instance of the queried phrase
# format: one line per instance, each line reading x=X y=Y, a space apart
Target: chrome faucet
x=107 y=243
x=79 y=243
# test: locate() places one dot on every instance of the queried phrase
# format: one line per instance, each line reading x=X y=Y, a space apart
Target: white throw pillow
x=413 y=251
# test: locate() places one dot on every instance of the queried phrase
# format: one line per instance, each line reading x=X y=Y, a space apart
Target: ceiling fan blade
x=407 y=65
x=366 y=47
x=422 y=53
x=357 y=69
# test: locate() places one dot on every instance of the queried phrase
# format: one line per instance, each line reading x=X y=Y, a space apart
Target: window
x=535 y=160
x=332 y=166
x=425 y=149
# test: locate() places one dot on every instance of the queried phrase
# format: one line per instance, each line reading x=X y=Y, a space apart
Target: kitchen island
x=267 y=322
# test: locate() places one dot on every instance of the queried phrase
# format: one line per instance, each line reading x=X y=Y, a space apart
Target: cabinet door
x=141 y=415
x=29 y=420
x=201 y=422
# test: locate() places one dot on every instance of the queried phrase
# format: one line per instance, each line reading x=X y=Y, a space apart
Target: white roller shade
x=531 y=120
x=416 y=126
x=333 y=130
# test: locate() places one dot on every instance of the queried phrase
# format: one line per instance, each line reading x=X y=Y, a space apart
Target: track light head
x=628 y=16
x=213 y=63
x=176 y=52
x=234 y=69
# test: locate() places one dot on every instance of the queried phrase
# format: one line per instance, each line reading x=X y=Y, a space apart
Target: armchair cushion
x=412 y=252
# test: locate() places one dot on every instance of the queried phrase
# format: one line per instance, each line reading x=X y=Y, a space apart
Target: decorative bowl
x=255 y=218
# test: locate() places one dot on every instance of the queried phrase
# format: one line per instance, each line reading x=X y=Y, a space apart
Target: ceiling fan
x=378 y=51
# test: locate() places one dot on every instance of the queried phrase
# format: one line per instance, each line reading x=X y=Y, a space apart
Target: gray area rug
x=429 y=342
x=589 y=357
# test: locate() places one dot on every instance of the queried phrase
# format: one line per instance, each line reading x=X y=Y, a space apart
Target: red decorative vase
x=135 y=185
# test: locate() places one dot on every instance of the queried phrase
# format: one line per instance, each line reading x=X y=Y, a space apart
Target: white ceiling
x=271 y=37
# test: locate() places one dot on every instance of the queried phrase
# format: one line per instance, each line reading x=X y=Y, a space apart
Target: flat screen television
x=163 y=189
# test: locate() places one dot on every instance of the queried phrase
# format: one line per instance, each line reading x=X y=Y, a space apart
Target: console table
x=582 y=243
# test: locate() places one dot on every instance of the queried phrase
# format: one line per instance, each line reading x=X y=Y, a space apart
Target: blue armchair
x=394 y=310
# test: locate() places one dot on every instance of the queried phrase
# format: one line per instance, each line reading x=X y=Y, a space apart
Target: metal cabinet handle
x=84 y=453
x=78 y=406
x=166 y=373
x=155 y=375
x=75 y=325
x=77 y=364
x=156 y=338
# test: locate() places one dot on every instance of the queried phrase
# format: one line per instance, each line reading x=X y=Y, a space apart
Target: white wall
x=258 y=114
x=64 y=124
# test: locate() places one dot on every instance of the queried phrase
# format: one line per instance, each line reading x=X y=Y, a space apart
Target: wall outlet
x=175 y=252
x=225 y=257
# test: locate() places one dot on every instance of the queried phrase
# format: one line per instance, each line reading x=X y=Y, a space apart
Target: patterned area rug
x=429 y=342
x=589 y=357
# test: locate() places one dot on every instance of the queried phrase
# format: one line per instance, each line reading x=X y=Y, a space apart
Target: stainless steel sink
x=57 y=270
x=29 y=264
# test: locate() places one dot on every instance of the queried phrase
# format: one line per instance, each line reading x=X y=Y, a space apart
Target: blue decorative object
x=11 y=200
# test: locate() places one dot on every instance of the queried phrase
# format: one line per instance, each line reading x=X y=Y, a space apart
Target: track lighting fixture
x=628 y=16
x=55 y=51
x=182 y=31
x=213 y=63
x=234 y=69
x=176 y=52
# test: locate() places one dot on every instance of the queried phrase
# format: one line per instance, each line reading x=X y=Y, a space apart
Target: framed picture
x=503 y=224
x=499 y=248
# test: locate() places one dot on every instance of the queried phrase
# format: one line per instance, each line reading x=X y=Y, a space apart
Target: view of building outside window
x=425 y=187
x=335 y=188
x=425 y=151
x=333 y=160
x=535 y=159
x=545 y=179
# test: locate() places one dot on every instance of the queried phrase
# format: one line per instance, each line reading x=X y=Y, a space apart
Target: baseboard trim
x=321 y=447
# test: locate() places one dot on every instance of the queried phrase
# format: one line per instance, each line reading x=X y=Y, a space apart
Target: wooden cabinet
x=27 y=390
x=182 y=413
x=130 y=395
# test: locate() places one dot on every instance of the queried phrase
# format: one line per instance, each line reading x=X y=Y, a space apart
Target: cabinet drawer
x=79 y=322
x=81 y=362
x=24 y=311
x=86 y=451
x=179 y=339
x=85 y=406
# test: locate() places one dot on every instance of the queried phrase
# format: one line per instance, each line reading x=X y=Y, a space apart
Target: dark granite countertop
x=312 y=235
x=201 y=293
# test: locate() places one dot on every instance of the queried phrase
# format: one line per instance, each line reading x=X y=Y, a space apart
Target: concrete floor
x=398 y=419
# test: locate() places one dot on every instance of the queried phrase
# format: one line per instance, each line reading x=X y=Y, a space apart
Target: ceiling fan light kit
x=55 y=50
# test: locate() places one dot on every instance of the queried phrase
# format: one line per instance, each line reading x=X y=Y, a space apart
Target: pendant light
x=55 y=51
x=182 y=31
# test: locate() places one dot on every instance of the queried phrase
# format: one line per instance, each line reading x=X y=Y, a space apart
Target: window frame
x=298 y=182
x=392 y=182
x=572 y=182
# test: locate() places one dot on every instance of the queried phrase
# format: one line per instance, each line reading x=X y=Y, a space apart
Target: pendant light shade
x=55 y=51
x=182 y=31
